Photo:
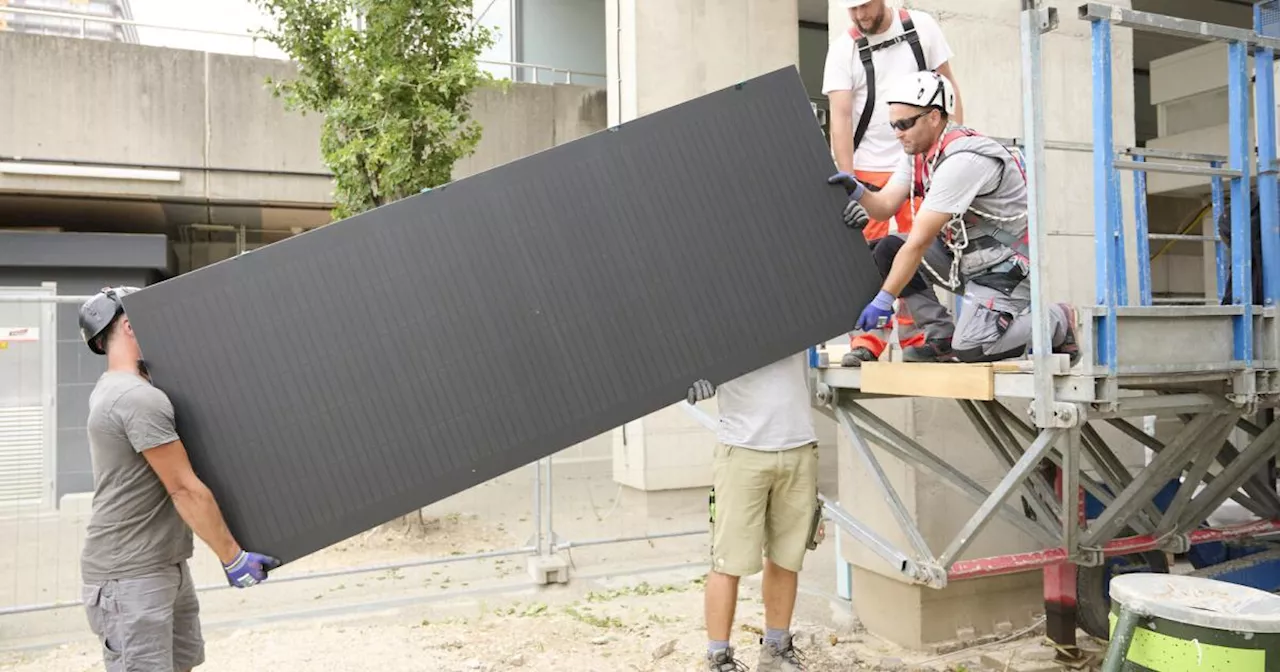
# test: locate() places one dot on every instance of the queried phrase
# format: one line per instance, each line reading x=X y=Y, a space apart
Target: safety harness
x=973 y=226
x=865 y=49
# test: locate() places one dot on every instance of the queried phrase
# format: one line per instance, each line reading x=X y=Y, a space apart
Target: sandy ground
x=645 y=621
x=635 y=605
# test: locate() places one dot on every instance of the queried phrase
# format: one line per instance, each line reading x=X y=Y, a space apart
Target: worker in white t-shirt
x=763 y=505
x=891 y=44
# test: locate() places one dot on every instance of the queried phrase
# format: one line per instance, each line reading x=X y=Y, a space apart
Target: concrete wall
x=657 y=60
x=205 y=115
x=212 y=118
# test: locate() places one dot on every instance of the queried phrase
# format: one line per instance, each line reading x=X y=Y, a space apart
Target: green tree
x=392 y=79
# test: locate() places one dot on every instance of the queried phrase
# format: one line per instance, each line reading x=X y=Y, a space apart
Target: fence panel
x=637 y=494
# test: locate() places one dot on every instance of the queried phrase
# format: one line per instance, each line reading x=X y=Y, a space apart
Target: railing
x=271 y=51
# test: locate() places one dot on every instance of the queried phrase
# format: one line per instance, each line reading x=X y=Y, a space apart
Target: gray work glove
x=700 y=391
x=855 y=216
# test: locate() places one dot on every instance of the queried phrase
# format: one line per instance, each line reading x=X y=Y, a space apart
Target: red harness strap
x=962 y=132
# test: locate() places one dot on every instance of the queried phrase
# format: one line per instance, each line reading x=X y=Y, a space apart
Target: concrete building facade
x=209 y=147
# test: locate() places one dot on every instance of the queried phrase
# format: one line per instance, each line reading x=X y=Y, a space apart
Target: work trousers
x=992 y=326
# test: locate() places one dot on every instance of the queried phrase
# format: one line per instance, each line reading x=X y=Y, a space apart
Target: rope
x=955 y=234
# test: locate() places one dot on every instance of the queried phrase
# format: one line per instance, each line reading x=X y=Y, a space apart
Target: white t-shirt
x=769 y=408
x=880 y=149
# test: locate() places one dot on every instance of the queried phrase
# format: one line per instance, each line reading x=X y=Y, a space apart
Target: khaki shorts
x=762 y=504
x=147 y=623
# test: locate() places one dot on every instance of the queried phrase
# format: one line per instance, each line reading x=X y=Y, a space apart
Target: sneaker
x=937 y=350
x=782 y=657
x=1069 y=346
x=723 y=661
x=856 y=356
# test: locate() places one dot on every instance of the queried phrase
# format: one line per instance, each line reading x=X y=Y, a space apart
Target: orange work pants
x=876 y=229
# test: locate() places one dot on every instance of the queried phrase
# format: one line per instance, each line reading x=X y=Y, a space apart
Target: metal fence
x=577 y=503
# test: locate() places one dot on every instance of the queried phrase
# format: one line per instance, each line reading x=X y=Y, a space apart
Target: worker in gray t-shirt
x=970 y=233
x=137 y=589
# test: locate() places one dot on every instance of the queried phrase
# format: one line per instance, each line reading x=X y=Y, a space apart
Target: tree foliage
x=392 y=79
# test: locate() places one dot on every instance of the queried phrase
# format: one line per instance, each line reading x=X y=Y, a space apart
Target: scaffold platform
x=1211 y=368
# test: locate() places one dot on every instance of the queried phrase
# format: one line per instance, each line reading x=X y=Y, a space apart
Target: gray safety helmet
x=99 y=312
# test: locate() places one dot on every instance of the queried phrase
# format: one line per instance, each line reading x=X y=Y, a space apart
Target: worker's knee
x=884 y=251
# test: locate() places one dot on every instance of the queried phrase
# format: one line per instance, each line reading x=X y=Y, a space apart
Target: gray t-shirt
x=134 y=529
x=970 y=168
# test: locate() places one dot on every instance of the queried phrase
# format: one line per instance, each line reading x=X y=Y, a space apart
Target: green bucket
x=1172 y=623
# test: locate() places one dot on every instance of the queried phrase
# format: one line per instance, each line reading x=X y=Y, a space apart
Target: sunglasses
x=907 y=123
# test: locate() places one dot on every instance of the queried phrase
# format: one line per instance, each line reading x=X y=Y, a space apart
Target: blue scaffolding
x=1215 y=368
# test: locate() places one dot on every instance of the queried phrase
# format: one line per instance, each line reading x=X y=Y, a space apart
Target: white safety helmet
x=850 y=4
x=923 y=89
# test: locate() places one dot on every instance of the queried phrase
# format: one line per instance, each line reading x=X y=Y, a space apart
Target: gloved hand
x=855 y=216
x=850 y=183
x=700 y=391
x=880 y=307
x=249 y=568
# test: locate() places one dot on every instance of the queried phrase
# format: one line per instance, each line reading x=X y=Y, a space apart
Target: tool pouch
x=817 y=528
x=1004 y=276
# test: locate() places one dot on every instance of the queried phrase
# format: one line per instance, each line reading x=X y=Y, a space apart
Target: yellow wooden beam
x=942 y=380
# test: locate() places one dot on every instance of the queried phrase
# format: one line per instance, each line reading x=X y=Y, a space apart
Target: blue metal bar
x=1220 y=247
x=1144 y=244
x=1241 y=240
x=1120 y=276
x=1103 y=170
x=1268 y=189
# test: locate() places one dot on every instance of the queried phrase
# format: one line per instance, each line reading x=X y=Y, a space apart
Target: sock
x=717 y=645
x=774 y=636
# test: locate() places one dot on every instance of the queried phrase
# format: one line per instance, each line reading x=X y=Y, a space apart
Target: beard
x=874 y=26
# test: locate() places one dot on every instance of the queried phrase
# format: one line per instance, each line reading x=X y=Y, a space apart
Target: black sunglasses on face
x=907 y=123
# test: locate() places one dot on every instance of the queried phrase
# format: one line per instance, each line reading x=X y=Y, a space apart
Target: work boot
x=933 y=350
x=782 y=657
x=1069 y=346
x=723 y=661
x=856 y=357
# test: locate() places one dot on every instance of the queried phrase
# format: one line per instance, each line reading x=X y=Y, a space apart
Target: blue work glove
x=700 y=391
x=248 y=569
x=880 y=308
x=855 y=216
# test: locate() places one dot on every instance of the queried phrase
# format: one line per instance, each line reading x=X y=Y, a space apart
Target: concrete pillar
x=662 y=53
x=984 y=36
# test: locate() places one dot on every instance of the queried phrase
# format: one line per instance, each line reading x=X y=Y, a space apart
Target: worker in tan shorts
x=763 y=505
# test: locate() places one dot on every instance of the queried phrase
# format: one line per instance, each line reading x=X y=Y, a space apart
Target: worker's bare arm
x=885 y=203
x=924 y=230
x=945 y=71
x=841 y=124
x=192 y=498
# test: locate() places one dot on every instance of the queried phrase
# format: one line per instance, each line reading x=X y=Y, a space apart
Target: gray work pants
x=992 y=326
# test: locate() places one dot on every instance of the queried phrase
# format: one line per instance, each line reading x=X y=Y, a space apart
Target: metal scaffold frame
x=1213 y=367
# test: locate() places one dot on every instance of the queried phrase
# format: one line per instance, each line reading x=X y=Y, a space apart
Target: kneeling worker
x=970 y=231
x=138 y=593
